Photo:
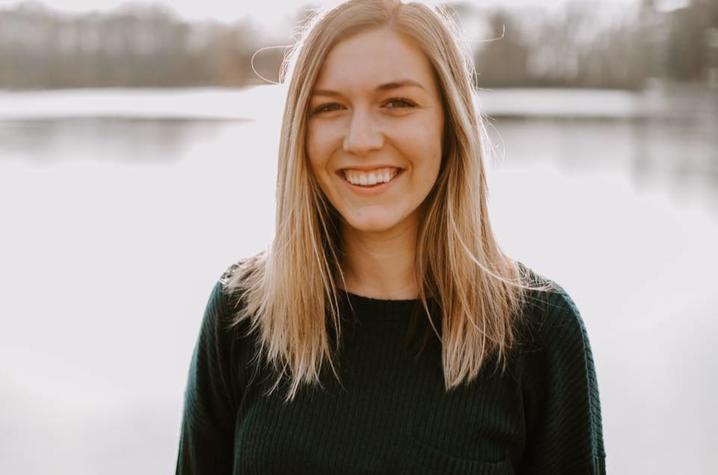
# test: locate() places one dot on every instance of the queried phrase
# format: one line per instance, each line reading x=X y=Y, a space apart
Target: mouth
x=370 y=179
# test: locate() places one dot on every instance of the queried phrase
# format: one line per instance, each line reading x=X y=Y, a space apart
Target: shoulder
x=238 y=274
x=233 y=280
x=232 y=294
x=220 y=308
x=229 y=273
x=561 y=397
x=551 y=318
x=226 y=327
x=555 y=344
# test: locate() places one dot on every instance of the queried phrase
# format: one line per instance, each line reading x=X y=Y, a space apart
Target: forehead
x=368 y=59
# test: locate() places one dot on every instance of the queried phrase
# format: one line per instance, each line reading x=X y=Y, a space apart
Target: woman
x=382 y=230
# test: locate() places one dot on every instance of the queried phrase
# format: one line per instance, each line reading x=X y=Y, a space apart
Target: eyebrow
x=383 y=87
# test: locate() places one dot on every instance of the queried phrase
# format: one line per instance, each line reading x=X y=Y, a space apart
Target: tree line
x=151 y=47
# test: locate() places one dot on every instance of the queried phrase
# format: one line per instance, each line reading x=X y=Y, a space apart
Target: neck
x=381 y=265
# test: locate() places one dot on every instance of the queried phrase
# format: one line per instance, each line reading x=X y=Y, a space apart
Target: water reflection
x=133 y=140
x=673 y=156
x=661 y=140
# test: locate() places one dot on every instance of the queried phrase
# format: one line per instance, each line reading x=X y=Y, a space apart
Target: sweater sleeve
x=207 y=430
x=562 y=407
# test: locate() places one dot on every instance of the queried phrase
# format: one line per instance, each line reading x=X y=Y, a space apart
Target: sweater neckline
x=369 y=308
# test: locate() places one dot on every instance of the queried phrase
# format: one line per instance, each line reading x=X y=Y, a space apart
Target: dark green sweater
x=392 y=416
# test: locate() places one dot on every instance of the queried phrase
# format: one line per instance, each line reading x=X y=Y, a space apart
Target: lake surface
x=119 y=210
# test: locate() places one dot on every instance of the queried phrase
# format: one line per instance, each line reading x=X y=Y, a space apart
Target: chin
x=372 y=229
x=374 y=224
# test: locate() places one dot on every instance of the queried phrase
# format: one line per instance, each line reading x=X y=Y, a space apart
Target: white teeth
x=382 y=175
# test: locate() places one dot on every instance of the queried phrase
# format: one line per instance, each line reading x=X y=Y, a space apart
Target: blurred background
x=137 y=161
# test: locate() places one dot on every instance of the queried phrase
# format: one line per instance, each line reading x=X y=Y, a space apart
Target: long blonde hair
x=287 y=291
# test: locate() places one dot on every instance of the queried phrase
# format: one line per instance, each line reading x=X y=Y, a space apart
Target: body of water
x=120 y=209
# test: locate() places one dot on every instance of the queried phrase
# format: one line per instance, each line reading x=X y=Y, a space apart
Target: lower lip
x=370 y=190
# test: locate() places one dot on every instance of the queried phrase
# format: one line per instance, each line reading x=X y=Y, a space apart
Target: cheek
x=318 y=147
x=310 y=146
x=436 y=148
x=423 y=134
x=424 y=149
x=318 y=158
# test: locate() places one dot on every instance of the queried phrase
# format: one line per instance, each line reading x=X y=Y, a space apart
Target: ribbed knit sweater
x=391 y=414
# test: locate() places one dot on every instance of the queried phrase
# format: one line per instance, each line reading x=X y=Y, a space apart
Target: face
x=375 y=130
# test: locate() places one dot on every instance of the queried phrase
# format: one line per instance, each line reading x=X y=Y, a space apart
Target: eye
x=401 y=103
x=328 y=107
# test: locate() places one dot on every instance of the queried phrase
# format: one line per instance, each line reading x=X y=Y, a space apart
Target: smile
x=369 y=178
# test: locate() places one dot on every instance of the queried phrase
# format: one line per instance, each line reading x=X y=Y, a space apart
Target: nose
x=363 y=135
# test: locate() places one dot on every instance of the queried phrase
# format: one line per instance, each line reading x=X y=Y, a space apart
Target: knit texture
x=391 y=414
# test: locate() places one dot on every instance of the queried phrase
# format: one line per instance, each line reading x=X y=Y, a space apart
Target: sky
x=265 y=12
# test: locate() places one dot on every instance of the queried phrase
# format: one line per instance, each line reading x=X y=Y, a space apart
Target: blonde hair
x=286 y=291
